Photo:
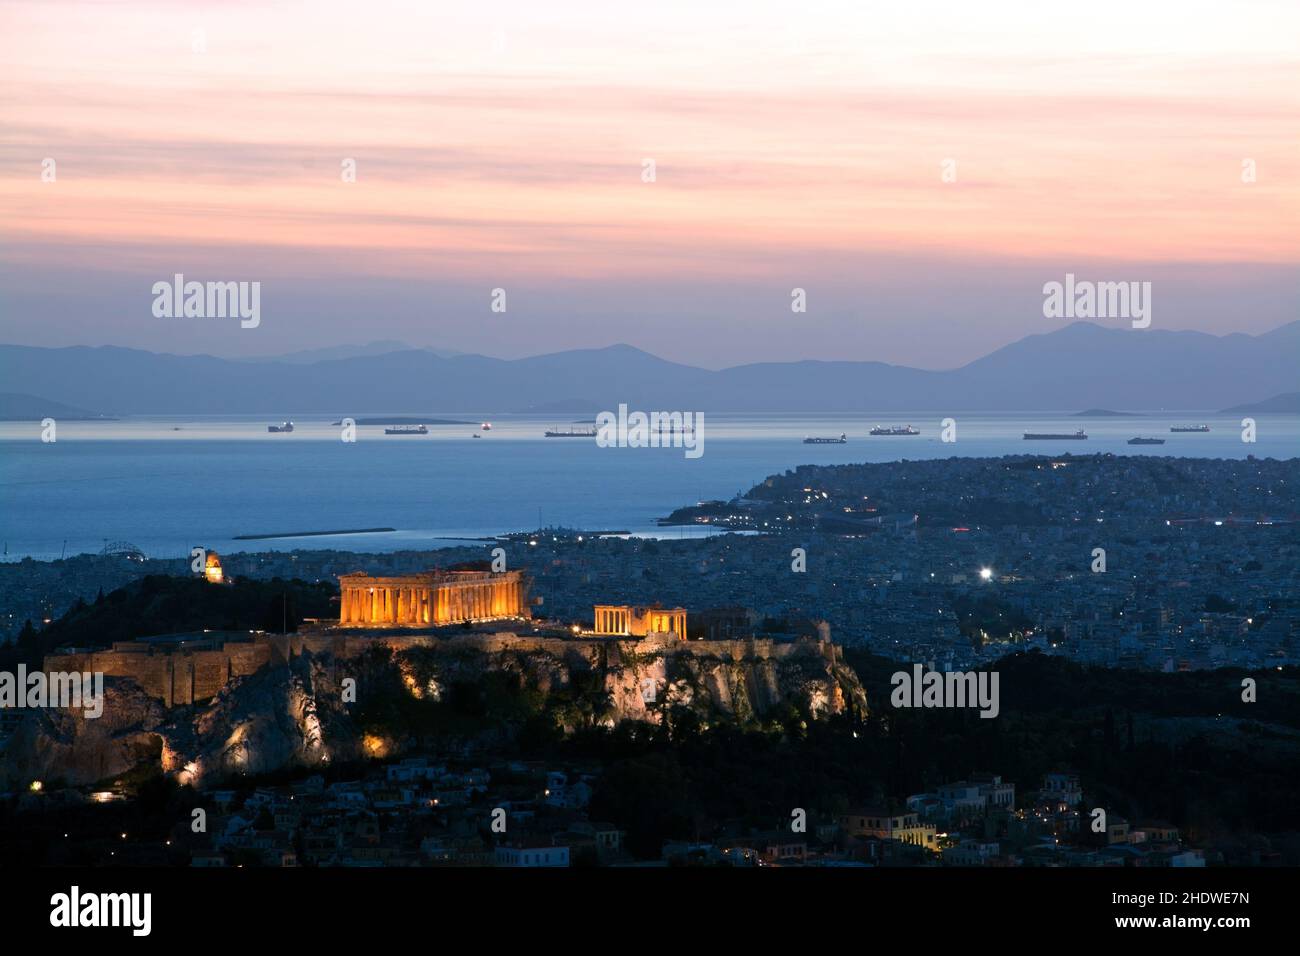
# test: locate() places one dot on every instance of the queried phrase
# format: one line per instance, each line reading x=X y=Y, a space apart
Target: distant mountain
x=1289 y=402
x=383 y=347
x=1070 y=367
x=1104 y=413
x=17 y=407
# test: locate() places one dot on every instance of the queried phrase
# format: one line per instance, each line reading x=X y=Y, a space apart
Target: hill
x=1069 y=367
x=20 y=407
x=1287 y=403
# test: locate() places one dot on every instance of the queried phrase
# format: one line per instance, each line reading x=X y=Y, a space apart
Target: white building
x=532 y=855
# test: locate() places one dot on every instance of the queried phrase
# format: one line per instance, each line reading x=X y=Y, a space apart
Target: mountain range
x=1082 y=365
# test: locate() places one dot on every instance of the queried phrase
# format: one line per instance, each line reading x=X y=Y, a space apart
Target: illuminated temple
x=628 y=621
x=431 y=598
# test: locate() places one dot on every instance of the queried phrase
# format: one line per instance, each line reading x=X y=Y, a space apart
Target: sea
x=166 y=485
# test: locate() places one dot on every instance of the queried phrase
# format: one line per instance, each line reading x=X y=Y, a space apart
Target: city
x=555 y=685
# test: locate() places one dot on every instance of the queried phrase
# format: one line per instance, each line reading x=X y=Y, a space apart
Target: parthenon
x=431 y=598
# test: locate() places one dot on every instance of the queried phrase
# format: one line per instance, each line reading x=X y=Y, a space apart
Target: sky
x=919 y=169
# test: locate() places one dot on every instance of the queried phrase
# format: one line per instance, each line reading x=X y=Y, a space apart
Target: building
x=628 y=621
x=1062 y=789
x=1116 y=830
x=972 y=853
x=905 y=827
x=212 y=568
x=532 y=853
x=431 y=599
x=982 y=793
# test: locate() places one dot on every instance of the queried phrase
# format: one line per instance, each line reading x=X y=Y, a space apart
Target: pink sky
x=502 y=145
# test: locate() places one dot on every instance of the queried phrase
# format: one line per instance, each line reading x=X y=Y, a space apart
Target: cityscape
x=1144 y=565
x=499 y=468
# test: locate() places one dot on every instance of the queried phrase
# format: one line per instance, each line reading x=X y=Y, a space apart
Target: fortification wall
x=179 y=676
x=175 y=677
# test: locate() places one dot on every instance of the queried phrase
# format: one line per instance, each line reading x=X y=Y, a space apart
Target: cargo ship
x=895 y=430
x=407 y=430
x=571 y=433
x=1146 y=441
x=1080 y=435
x=826 y=441
x=277 y=429
x=1189 y=428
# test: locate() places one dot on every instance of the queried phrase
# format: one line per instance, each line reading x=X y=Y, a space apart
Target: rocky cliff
x=319 y=708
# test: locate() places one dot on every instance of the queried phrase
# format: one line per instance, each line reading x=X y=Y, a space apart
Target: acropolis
x=431 y=599
x=413 y=610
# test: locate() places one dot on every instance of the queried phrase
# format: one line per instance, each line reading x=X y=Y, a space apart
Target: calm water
x=166 y=490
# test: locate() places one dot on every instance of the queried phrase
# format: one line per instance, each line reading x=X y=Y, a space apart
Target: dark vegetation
x=159 y=604
x=1178 y=747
